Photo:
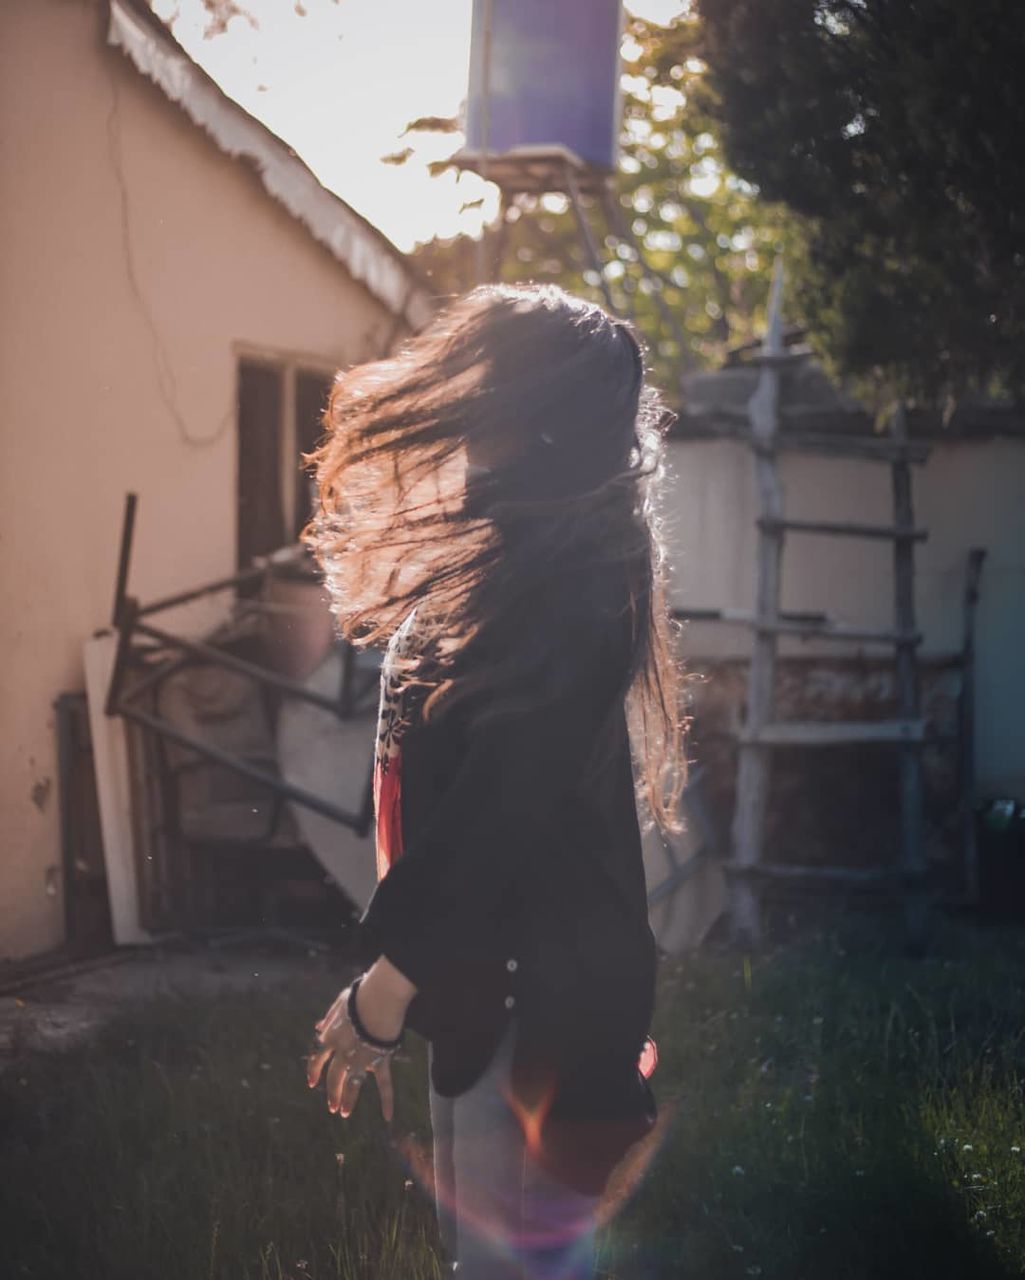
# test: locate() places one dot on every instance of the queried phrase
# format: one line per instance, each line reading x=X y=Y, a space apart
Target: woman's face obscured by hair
x=507 y=447
x=555 y=403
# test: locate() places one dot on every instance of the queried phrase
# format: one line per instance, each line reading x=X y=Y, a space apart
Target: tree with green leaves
x=706 y=237
x=893 y=130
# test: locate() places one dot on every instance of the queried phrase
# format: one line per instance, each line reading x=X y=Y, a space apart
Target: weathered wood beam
x=732 y=422
x=754 y=765
x=966 y=726
x=844 y=529
x=860 y=876
x=828 y=733
x=836 y=632
x=912 y=860
x=848 y=446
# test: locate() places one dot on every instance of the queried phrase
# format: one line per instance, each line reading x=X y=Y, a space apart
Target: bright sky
x=339 y=80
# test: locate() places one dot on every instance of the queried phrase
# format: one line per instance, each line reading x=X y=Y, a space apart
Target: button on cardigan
x=512 y=885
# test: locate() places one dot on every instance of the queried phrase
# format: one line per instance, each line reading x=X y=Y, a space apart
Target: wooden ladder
x=762 y=733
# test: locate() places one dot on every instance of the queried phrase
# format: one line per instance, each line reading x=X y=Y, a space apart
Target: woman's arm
x=440 y=900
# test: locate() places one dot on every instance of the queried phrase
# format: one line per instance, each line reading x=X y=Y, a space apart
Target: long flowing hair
x=510 y=445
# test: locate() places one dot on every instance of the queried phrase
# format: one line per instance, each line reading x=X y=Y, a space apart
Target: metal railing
x=175 y=653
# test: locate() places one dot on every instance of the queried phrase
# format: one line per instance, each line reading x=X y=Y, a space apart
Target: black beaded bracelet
x=362 y=1034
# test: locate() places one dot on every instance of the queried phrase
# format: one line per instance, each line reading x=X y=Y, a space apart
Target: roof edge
x=367 y=254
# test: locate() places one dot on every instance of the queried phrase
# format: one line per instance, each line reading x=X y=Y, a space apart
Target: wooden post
x=754 y=767
x=912 y=858
x=966 y=716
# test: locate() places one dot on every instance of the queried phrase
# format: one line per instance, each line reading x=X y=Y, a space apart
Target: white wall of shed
x=968 y=494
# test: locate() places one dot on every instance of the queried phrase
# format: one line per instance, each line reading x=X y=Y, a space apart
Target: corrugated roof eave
x=362 y=249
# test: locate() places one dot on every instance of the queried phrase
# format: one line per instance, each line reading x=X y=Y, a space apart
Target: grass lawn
x=833 y=1111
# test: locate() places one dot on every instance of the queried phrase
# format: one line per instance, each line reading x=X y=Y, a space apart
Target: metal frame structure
x=173 y=653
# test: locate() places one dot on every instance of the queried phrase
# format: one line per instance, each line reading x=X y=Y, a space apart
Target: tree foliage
x=893 y=129
x=707 y=239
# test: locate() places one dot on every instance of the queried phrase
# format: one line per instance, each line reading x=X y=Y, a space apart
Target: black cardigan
x=521 y=893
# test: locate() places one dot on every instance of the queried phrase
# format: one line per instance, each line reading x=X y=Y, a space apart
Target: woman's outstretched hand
x=382 y=998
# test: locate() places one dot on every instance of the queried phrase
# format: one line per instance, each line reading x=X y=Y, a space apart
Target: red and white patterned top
x=393 y=718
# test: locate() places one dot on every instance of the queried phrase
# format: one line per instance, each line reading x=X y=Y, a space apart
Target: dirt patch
x=59 y=1011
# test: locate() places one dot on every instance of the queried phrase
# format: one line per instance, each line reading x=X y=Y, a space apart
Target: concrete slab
x=56 y=1012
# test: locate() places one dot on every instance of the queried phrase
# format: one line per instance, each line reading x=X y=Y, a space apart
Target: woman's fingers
x=345 y=1077
x=347 y=1063
x=315 y=1065
x=335 y=1080
x=333 y=1036
x=343 y=1085
x=325 y=1043
x=382 y=1074
x=351 y=1086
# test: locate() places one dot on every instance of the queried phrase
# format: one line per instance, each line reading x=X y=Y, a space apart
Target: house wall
x=967 y=495
x=135 y=255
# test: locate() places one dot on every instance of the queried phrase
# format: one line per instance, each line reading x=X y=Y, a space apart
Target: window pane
x=311 y=393
x=261 y=526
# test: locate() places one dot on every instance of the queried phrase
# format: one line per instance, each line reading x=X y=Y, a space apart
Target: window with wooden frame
x=281 y=401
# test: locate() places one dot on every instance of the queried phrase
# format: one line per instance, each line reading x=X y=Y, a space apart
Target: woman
x=485 y=508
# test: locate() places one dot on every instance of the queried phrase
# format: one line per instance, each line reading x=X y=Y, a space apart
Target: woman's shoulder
x=572 y=634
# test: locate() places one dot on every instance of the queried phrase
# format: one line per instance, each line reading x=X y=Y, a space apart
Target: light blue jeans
x=500 y=1215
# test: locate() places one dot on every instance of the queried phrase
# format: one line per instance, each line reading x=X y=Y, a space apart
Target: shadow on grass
x=183 y=1142
x=840 y=1113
